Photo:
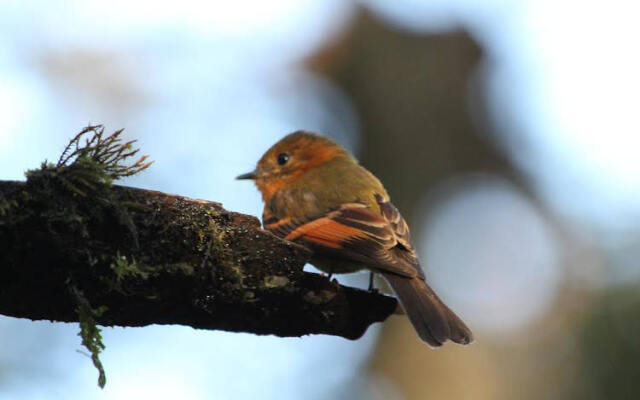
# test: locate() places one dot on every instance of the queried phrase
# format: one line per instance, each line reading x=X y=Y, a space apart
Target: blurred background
x=507 y=133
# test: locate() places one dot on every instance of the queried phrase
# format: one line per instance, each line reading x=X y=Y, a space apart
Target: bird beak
x=248 y=175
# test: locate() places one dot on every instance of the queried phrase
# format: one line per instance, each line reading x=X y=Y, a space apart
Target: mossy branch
x=75 y=247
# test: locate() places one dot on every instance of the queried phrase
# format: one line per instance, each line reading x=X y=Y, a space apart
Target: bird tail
x=434 y=322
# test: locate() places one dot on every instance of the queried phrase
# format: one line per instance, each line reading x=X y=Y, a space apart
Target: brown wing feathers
x=383 y=243
x=350 y=232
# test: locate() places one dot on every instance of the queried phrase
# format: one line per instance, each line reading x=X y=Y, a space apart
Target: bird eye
x=283 y=158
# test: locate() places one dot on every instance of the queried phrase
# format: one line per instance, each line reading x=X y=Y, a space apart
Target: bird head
x=291 y=157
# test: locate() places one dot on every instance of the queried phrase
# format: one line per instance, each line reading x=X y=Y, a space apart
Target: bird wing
x=353 y=231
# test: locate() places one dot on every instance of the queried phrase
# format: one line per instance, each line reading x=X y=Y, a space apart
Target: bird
x=316 y=194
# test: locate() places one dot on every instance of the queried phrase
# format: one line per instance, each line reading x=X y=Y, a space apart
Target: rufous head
x=291 y=157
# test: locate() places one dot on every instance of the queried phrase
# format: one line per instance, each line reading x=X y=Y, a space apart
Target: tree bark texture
x=140 y=257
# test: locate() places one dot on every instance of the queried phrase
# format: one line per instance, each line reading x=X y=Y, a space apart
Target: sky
x=206 y=87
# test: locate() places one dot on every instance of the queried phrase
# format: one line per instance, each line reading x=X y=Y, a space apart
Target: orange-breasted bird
x=316 y=194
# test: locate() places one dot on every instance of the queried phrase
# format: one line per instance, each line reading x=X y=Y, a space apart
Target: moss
x=88 y=166
x=92 y=159
x=212 y=213
x=126 y=271
x=6 y=206
x=216 y=243
x=89 y=331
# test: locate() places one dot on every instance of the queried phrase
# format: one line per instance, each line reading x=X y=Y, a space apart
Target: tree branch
x=146 y=257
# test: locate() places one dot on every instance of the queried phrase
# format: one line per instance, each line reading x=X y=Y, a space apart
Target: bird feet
x=372 y=288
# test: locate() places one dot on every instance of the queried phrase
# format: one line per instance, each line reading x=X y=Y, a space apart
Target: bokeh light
x=490 y=252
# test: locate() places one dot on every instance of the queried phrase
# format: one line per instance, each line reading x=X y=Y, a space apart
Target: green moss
x=222 y=262
x=212 y=213
x=213 y=241
x=91 y=160
x=88 y=166
x=125 y=270
x=6 y=206
x=128 y=269
x=89 y=331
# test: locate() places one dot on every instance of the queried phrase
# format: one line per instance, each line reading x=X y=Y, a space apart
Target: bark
x=73 y=249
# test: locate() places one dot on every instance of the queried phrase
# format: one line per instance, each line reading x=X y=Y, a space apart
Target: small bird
x=316 y=194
